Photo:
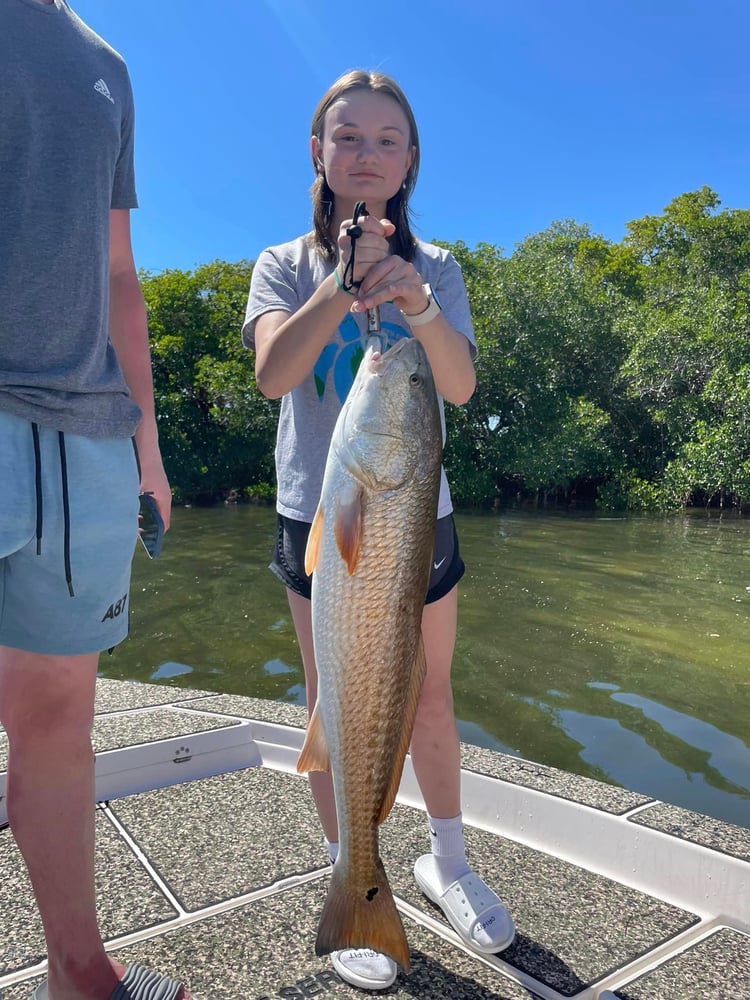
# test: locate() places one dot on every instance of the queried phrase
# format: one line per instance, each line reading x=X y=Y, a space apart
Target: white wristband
x=427 y=315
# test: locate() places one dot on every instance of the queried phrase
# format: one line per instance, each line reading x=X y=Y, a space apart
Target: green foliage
x=615 y=371
x=216 y=430
x=689 y=348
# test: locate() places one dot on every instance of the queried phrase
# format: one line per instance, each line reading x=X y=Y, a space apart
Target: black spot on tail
x=371 y=894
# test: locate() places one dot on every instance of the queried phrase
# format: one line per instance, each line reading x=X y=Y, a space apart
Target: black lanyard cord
x=353 y=232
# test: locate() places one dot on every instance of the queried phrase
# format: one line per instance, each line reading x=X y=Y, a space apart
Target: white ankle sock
x=448 y=849
x=332 y=847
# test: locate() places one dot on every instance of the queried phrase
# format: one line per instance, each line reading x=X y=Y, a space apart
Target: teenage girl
x=308 y=329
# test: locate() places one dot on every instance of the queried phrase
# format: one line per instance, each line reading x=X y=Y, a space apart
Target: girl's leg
x=436 y=756
x=321 y=784
x=435 y=749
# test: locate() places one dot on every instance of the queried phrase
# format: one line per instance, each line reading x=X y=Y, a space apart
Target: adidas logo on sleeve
x=103 y=89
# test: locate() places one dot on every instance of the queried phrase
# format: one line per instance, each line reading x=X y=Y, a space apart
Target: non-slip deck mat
x=127 y=898
x=225 y=836
x=244 y=831
x=717 y=968
x=265 y=951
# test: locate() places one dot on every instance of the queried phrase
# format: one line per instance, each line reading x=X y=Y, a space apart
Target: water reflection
x=727 y=755
x=167 y=670
x=645 y=759
x=277 y=667
x=610 y=647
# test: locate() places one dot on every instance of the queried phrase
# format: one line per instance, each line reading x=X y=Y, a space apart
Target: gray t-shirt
x=284 y=278
x=66 y=159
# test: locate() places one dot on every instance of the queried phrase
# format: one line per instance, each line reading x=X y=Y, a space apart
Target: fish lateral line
x=416 y=679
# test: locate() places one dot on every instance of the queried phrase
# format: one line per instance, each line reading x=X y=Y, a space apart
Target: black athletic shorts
x=291 y=541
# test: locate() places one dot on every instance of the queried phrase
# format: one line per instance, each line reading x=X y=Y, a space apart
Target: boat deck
x=210 y=868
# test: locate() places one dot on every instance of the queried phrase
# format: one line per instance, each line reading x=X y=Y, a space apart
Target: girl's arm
x=449 y=354
x=448 y=350
x=288 y=345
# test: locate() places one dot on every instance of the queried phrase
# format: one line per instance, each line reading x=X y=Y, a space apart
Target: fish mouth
x=379 y=361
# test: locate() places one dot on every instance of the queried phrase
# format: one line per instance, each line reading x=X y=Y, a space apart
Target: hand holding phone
x=151 y=526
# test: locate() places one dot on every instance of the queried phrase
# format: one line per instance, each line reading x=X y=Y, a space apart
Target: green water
x=615 y=648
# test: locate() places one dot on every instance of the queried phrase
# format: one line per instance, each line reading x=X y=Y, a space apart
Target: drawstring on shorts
x=38 y=481
x=65 y=500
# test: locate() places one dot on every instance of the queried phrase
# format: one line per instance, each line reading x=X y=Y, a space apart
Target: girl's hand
x=371 y=246
x=392 y=280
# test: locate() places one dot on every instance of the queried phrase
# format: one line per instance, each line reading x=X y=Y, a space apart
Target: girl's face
x=365 y=150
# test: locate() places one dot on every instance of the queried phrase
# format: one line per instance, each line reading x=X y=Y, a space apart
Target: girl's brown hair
x=397 y=209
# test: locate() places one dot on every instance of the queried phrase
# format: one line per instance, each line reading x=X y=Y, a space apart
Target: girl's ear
x=315 y=149
x=410 y=159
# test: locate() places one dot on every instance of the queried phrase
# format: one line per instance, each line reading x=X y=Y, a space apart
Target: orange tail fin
x=354 y=918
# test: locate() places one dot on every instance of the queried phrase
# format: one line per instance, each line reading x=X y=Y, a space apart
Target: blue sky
x=597 y=110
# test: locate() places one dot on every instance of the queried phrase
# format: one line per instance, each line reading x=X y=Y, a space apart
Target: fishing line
x=374 y=332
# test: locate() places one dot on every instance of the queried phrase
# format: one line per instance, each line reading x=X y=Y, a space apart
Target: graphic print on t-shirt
x=345 y=359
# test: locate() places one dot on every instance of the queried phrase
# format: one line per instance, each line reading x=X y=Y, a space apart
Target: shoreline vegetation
x=614 y=375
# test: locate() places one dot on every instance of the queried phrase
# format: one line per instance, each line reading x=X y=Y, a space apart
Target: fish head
x=389 y=429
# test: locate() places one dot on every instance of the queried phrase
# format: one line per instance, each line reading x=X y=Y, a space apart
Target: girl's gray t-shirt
x=66 y=159
x=284 y=277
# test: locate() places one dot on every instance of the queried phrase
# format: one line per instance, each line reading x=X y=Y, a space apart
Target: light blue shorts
x=68 y=528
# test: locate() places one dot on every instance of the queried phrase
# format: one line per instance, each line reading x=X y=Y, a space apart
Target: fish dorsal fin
x=412 y=700
x=314 y=753
x=314 y=540
x=347 y=524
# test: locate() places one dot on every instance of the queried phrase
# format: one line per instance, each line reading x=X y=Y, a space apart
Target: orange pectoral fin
x=412 y=700
x=347 y=526
x=314 y=540
x=314 y=753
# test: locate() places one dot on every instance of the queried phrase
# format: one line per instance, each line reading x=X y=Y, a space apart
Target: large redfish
x=370 y=550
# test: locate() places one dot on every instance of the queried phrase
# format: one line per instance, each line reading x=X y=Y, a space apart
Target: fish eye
x=415 y=379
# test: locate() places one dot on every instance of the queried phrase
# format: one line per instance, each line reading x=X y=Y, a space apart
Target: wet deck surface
x=220 y=880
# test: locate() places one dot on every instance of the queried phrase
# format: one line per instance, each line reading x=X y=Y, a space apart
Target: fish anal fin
x=314 y=540
x=362 y=918
x=412 y=700
x=347 y=525
x=314 y=753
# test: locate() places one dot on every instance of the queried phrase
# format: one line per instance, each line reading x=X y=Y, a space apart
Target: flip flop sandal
x=138 y=983
x=365 y=968
x=470 y=906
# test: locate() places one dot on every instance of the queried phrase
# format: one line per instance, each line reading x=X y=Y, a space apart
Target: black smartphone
x=151 y=526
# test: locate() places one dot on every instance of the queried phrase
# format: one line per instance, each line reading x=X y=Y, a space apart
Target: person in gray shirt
x=306 y=322
x=76 y=394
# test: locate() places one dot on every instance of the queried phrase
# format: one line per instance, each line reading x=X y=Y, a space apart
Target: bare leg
x=436 y=755
x=321 y=784
x=435 y=748
x=47 y=708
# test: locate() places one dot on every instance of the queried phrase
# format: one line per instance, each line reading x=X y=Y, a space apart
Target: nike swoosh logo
x=438 y=565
